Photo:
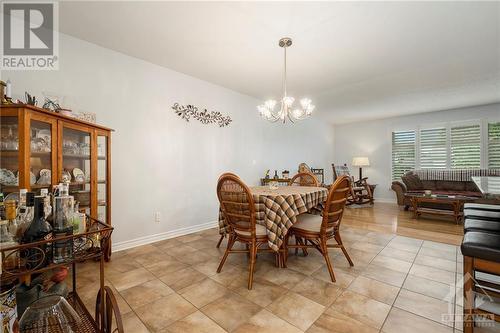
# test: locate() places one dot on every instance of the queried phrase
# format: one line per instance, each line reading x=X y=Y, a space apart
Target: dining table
x=278 y=208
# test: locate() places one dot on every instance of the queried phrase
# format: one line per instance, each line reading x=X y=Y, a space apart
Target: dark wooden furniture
x=314 y=231
x=360 y=192
x=93 y=244
x=481 y=250
x=304 y=179
x=439 y=205
x=51 y=141
x=238 y=207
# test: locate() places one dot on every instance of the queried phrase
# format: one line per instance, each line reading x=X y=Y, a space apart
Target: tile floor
x=398 y=284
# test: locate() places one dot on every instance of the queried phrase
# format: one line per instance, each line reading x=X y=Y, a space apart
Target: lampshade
x=360 y=161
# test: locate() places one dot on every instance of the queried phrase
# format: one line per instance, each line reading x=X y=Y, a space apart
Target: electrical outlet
x=157 y=217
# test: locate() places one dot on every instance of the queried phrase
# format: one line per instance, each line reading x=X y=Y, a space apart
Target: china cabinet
x=40 y=149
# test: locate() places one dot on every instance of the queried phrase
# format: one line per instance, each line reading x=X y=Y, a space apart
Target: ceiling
x=355 y=60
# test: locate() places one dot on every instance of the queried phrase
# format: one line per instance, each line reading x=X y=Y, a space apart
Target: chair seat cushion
x=309 y=222
x=481 y=245
x=484 y=225
x=481 y=214
x=495 y=208
x=260 y=230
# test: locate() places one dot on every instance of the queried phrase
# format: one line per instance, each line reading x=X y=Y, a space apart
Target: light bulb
x=270 y=104
x=297 y=113
x=288 y=101
x=305 y=102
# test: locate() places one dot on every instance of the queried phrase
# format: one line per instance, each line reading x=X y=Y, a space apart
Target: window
x=403 y=152
x=433 y=148
x=494 y=145
x=465 y=147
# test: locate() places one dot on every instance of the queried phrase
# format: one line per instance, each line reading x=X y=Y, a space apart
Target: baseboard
x=120 y=246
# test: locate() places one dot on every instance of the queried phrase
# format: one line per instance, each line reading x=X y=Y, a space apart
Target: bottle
x=7 y=239
x=46 y=198
x=38 y=230
x=63 y=226
x=276 y=174
x=11 y=216
x=24 y=219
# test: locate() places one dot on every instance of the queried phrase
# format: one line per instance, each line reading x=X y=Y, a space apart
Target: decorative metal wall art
x=205 y=117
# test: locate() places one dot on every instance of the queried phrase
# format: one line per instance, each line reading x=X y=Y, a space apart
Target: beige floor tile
x=189 y=238
x=403 y=246
x=196 y=322
x=336 y=322
x=398 y=254
x=182 y=278
x=266 y=322
x=428 y=287
x=378 y=238
x=320 y=291
x=168 y=266
x=210 y=266
x=121 y=265
x=400 y=321
x=297 y=310
x=286 y=278
x=139 y=250
x=231 y=311
x=229 y=276
x=425 y=306
x=392 y=263
x=439 y=246
x=305 y=265
x=361 y=308
x=263 y=292
x=367 y=247
x=132 y=323
x=165 y=311
x=438 y=253
x=385 y=275
x=343 y=278
x=145 y=293
x=204 y=292
x=447 y=265
x=203 y=243
x=193 y=258
x=151 y=258
x=432 y=273
x=122 y=281
x=377 y=290
x=167 y=243
x=179 y=250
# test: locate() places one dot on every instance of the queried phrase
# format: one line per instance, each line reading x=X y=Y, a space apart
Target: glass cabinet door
x=9 y=148
x=76 y=165
x=102 y=178
x=42 y=153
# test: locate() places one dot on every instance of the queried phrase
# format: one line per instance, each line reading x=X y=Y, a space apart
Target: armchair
x=360 y=191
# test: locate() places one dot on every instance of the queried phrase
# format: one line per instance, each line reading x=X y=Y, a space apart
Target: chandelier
x=286 y=109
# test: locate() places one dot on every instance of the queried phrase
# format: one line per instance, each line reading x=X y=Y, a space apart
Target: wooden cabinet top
x=52 y=114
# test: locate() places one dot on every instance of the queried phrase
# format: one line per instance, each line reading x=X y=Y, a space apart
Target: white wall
x=159 y=162
x=373 y=139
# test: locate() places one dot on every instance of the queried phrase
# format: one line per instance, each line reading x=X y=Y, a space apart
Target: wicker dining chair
x=304 y=179
x=238 y=207
x=316 y=230
x=222 y=236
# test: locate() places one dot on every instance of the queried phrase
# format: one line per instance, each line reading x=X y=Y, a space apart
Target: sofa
x=439 y=181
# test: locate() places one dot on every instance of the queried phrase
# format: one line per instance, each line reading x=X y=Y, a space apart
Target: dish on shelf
x=7 y=177
x=12 y=196
x=45 y=177
x=32 y=178
x=66 y=176
x=79 y=175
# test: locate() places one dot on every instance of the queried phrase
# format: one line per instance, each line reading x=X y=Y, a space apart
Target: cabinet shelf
x=82 y=157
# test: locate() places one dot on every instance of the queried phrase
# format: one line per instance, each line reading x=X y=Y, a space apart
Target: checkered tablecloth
x=277 y=210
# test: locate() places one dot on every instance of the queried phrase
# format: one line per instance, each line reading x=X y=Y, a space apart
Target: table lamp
x=360 y=162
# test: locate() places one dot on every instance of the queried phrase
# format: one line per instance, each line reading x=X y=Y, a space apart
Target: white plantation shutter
x=494 y=145
x=403 y=152
x=433 y=148
x=465 y=147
